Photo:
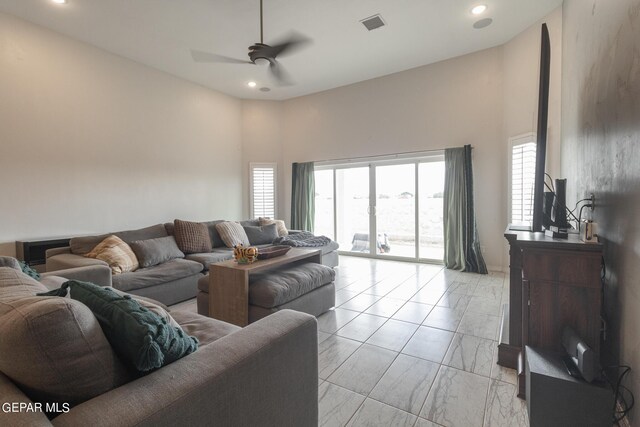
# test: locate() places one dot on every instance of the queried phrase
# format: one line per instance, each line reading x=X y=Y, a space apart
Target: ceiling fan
x=260 y=52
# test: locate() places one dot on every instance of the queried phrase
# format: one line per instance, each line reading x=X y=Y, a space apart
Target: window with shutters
x=522 y=180
x=263 y=189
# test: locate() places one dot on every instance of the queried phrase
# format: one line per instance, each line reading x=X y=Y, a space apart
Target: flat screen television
x=541 y=143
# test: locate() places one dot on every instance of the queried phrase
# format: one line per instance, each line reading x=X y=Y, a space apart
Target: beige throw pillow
x=232 y=234
x=282 y=229
x=115 y=252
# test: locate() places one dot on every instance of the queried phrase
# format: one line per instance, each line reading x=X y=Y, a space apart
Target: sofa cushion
x=158 y=274
x=206 y=329
x=84 y=245
x=8 y=261
x=210 y=258
x=282 y=228
x=156 y=251
x=117 y=253
x=53 y=348
x=282 y=285
x=142 y=338
x=151 y=232
x=261 y=235
x=232 y=234
x=192 y=237
x=250 y=223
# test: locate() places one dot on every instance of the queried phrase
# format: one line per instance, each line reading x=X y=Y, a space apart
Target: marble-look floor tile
x=343 y=296
x=421 y=422
x=362 y=370
x=456 y=398
x=393 y=335
x=336 y=405
x=333 y=320
x=484 y=305
x=385 y=307
x=455 y=301
x=443 y=318
x=322 y=336
x=472 y=278
x=429 y=343
x=360 y=302
x=332 y=352
x=360 y=285
x=479 y=325
x=501 y=373
x=404 y=292
x=374 y=413
x=504 y=408
x=406 y=384
x=428 y=295
x=413 y=312
x=383 y=287
x=464 y=288
x=488 y=291
x=362 y=327
x=471 y=354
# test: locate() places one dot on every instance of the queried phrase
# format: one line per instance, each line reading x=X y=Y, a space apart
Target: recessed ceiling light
x=252 y=84
x=265 y=89
x=479 y=9
x=59 y=1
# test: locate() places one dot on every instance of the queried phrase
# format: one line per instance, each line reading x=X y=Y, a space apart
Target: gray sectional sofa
x=222 y=383
x=170 y=282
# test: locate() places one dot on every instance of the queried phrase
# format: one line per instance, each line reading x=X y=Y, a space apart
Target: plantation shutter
x=523 y=173
x=263 y=190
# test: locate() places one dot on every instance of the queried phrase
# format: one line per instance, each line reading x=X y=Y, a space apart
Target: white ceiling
x=160 y=33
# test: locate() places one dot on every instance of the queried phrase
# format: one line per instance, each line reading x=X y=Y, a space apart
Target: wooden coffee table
x=229 y=283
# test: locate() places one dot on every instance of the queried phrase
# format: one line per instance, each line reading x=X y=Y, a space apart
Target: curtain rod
x=382 y=155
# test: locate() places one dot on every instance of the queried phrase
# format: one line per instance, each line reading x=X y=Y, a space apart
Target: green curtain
x=461 y=242
x=303 y=196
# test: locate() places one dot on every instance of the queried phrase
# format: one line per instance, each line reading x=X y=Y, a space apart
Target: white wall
x=447 y=104
x=92 y=142
x=262 y=143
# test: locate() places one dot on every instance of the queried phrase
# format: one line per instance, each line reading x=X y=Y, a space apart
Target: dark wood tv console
x=553 y=283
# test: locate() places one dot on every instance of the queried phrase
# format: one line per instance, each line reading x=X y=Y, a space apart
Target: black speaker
x=556 y=399
x=547 y=206
x=559 y=210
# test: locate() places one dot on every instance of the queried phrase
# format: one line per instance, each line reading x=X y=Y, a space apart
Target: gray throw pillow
x=156 y=251
x=261 y=235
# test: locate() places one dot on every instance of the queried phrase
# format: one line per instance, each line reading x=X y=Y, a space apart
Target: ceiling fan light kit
x=260 y=53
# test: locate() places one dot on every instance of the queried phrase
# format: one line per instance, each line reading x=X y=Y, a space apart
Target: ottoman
x=308 y=288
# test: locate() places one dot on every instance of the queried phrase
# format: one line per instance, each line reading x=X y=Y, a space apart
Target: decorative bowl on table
x=273 y=251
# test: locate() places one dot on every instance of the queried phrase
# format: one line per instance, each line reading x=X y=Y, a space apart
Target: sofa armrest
x=11 y=416
x=57 y=251
x=265 y=374
x=67 y=260
x=98 y=274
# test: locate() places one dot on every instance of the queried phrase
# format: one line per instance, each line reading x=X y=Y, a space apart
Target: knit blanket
x=304 y=239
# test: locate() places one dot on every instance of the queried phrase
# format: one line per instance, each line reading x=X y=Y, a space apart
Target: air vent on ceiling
x=373 y=22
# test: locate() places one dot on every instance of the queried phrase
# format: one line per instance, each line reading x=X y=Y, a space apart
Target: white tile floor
x=413 y=345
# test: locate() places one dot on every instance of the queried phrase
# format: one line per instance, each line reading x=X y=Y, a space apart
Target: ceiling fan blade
x=202 y=56
x=290 y=45
x=281 y=76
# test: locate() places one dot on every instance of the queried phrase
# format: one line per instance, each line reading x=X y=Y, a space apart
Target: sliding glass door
x=383 y=208
x=352 y=209
x=395 y=212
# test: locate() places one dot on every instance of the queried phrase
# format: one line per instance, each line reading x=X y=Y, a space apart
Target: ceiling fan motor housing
x=260 y=51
